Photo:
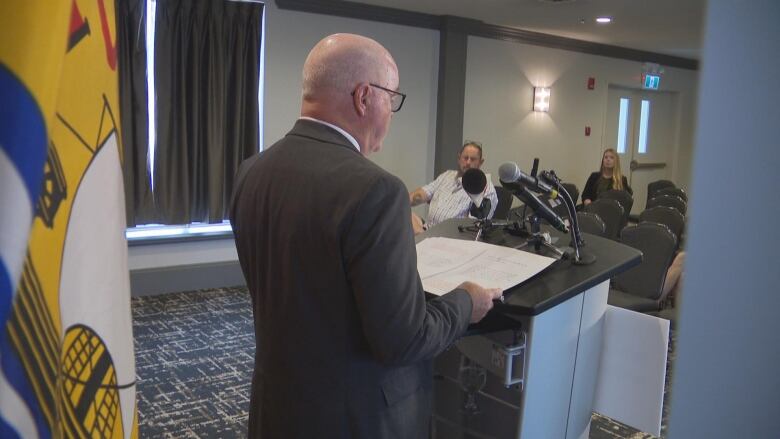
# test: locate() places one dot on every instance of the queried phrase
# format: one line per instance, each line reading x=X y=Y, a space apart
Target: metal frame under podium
x=529 y=369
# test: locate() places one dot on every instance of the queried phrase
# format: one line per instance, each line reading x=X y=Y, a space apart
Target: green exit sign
x=651 y=81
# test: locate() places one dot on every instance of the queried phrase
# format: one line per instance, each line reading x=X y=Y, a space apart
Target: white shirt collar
x=340 y=130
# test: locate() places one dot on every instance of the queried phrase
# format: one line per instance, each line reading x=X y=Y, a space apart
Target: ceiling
x=671 y=27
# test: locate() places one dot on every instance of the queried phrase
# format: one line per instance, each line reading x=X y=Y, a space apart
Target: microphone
x=509 y=173
x=541 y=208
x=474 y=183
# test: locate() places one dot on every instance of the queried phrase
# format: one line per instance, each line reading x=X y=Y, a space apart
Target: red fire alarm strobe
x=587 y=131
x=591 y=83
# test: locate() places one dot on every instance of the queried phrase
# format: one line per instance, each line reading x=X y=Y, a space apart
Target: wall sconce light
x=542 y=99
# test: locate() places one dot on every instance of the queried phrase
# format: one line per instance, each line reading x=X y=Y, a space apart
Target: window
x=623 y=125
x=644 y=116
x=162 y=230
x=151 y=9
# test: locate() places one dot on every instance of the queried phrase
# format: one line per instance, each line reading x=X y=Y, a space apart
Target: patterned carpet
x=194 y=360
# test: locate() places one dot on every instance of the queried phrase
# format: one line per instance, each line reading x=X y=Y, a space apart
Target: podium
x=529 y=369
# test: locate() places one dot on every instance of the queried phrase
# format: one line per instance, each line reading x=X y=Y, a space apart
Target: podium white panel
x=562 y=354
x=633 y=369
x=563 y=361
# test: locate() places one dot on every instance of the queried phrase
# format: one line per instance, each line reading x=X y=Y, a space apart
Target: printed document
x=445 y=263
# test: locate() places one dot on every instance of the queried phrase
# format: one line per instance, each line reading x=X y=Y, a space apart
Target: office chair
x=654 y=186
x=591 y=223
x=624 y=198
x=641 y=288
x=571 y=188
x=668 y=216
x=674 y=191
x=611 y=212
x=670 y=201
x=557 y=205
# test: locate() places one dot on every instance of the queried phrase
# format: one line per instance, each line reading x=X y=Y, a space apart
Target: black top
x=559 y=282
x=591 y=193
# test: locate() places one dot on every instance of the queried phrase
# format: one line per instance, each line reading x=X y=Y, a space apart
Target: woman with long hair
x=608 y=177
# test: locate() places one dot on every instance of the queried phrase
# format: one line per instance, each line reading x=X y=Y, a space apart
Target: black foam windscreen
x=474 y=181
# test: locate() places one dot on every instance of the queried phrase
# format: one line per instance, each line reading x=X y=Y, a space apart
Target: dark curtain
x=133 y=109
x=207 y=59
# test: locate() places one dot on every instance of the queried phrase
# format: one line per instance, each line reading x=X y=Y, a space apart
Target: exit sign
x=651 y=81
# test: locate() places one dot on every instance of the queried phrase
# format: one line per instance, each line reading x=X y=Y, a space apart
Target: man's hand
x=481 y=299
x=417 y=224
x=418 y=197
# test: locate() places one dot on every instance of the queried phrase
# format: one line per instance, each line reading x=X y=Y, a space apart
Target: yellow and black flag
x=66 y=348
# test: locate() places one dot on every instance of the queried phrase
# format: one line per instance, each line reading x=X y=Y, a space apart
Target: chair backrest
x=654 y=186
x=668 y=216
x=624 y=198
x=591 y=223
x=674 y=191
x=558 y=205
x=657 y=244
x=504 y=203
x=611 y=212
x=571 y=188
x=670 y=201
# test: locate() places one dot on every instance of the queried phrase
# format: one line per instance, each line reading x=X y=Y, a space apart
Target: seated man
x=446 y=196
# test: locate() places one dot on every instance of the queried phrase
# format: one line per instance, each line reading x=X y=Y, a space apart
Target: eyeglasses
x=396 y=98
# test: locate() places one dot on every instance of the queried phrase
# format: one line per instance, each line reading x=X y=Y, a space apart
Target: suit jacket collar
x=320 y=132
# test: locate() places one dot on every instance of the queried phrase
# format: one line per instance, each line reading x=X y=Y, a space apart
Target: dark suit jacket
x=344 y=334
x=590 y=187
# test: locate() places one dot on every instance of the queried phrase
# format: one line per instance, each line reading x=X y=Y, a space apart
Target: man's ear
x=360 y=98
x=481 y=162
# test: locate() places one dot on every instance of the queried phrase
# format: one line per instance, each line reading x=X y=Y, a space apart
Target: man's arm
x=418 y=196
x=417 y=224
x=380 y=260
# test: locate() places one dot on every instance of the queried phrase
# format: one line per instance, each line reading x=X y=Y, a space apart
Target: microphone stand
x=483 y=223
x=580 y=258
x=537 y=238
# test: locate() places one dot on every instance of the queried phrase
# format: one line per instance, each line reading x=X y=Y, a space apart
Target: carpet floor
x=194 y=360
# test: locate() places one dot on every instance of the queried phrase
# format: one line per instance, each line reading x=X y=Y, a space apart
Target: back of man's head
x=347 y=81
x=338 y=62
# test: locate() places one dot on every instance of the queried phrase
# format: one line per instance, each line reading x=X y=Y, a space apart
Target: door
x=641 y=127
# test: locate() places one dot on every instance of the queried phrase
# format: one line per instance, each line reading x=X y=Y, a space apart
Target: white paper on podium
x=630 y=386
x=445 y=263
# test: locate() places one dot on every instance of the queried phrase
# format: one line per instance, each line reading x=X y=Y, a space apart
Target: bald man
x=345 y=337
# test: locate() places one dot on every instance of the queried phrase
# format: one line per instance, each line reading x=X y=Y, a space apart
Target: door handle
x=635 y=165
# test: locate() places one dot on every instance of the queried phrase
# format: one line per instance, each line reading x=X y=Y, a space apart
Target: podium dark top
x=557 y=283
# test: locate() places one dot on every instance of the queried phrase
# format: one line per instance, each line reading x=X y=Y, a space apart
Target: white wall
x=408 y=148
x=143 y=257
x=500 y=77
